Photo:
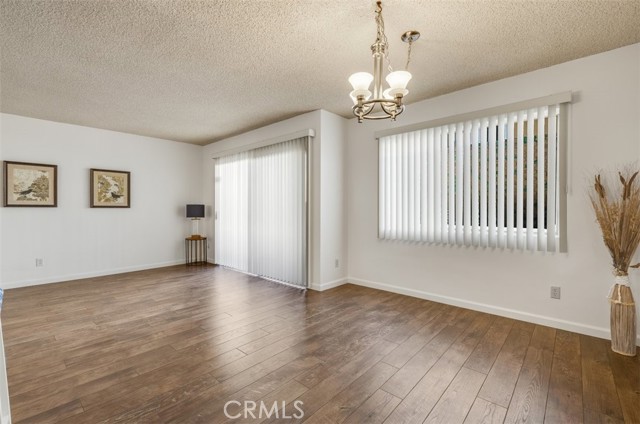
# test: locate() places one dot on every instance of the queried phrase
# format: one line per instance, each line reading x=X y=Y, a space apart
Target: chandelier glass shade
x=382 y=103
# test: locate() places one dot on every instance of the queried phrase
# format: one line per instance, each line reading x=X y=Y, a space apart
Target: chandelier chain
x=381 y=36
x=406 y=67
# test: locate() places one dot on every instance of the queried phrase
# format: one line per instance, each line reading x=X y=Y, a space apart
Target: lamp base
x=195 y=234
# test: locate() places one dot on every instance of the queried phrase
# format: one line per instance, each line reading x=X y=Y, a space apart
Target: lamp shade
x=195 y=211
x=398 y=80
x=361 y=80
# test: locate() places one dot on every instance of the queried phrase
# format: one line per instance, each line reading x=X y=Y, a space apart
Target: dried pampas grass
x=617 y=210
x=618 y=213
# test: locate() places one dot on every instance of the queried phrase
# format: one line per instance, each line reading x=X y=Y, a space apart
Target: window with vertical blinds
x=493 y=181
x=261 y=211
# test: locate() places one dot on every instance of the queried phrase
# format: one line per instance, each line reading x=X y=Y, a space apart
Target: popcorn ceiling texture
x=199 y=71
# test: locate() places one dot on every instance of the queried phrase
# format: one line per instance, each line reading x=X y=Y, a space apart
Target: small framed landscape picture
x=30 y=184
x=110 y=189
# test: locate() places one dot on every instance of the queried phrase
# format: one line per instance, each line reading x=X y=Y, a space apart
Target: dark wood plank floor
x=174 y=345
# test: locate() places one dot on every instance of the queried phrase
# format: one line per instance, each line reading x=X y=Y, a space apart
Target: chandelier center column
x=378 y=50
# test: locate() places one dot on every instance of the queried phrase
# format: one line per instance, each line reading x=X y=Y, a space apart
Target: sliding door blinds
x=261 y=211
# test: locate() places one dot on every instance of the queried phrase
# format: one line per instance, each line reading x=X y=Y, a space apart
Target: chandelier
x=388 y=103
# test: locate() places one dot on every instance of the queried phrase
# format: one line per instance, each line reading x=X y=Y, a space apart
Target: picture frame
x=109 y=188
x=29 y=184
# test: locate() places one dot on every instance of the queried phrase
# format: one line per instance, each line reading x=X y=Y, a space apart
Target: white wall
x=333 y=197
x=328 y=240
x=604 y=132
x=76 y=241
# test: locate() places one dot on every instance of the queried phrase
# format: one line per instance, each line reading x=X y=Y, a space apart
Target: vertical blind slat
x=511 y=236
x=430 y=223
x=475 y=183
x=561 y=189
x=501 y=224
x=395 y=157
x=382 y=189
x=445 y=182
x=551 y=178
x=424 y=212
x=467 y=183
x=520 y=184
x=438 y=186
x=389 y=189
x=417 y=236
x=530 y=185
x=451 y=140
x=405 y=194
x=493 y=124
x=412 y=174
x=541 y=234
x=484 y=222
x=459 y=182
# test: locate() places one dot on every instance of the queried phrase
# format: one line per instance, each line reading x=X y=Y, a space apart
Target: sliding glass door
x=261 y=211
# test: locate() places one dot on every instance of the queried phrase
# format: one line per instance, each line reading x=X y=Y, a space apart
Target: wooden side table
x=195 y=250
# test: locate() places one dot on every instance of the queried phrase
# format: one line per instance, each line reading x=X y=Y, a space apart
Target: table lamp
x=195 y=212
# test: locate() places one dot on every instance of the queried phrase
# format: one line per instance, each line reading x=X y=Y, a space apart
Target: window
x=492 y=180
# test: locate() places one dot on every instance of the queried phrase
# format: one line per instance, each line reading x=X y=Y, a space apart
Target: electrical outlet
x=337 y=263
x=555 y=292
x=39 y=262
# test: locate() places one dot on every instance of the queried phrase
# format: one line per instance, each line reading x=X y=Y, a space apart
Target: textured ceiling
x=199 y=71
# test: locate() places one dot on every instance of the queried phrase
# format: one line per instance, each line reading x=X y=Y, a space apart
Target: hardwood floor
x=174 y=345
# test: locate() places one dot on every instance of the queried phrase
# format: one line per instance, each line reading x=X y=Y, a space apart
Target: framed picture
x=110 y=189
x=30 y=184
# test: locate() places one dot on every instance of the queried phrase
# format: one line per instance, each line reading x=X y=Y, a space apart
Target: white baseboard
x=79 y=276
x=576 y=327
x=328 y=285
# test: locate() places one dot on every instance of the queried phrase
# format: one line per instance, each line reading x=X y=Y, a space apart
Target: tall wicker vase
x=623 y=318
